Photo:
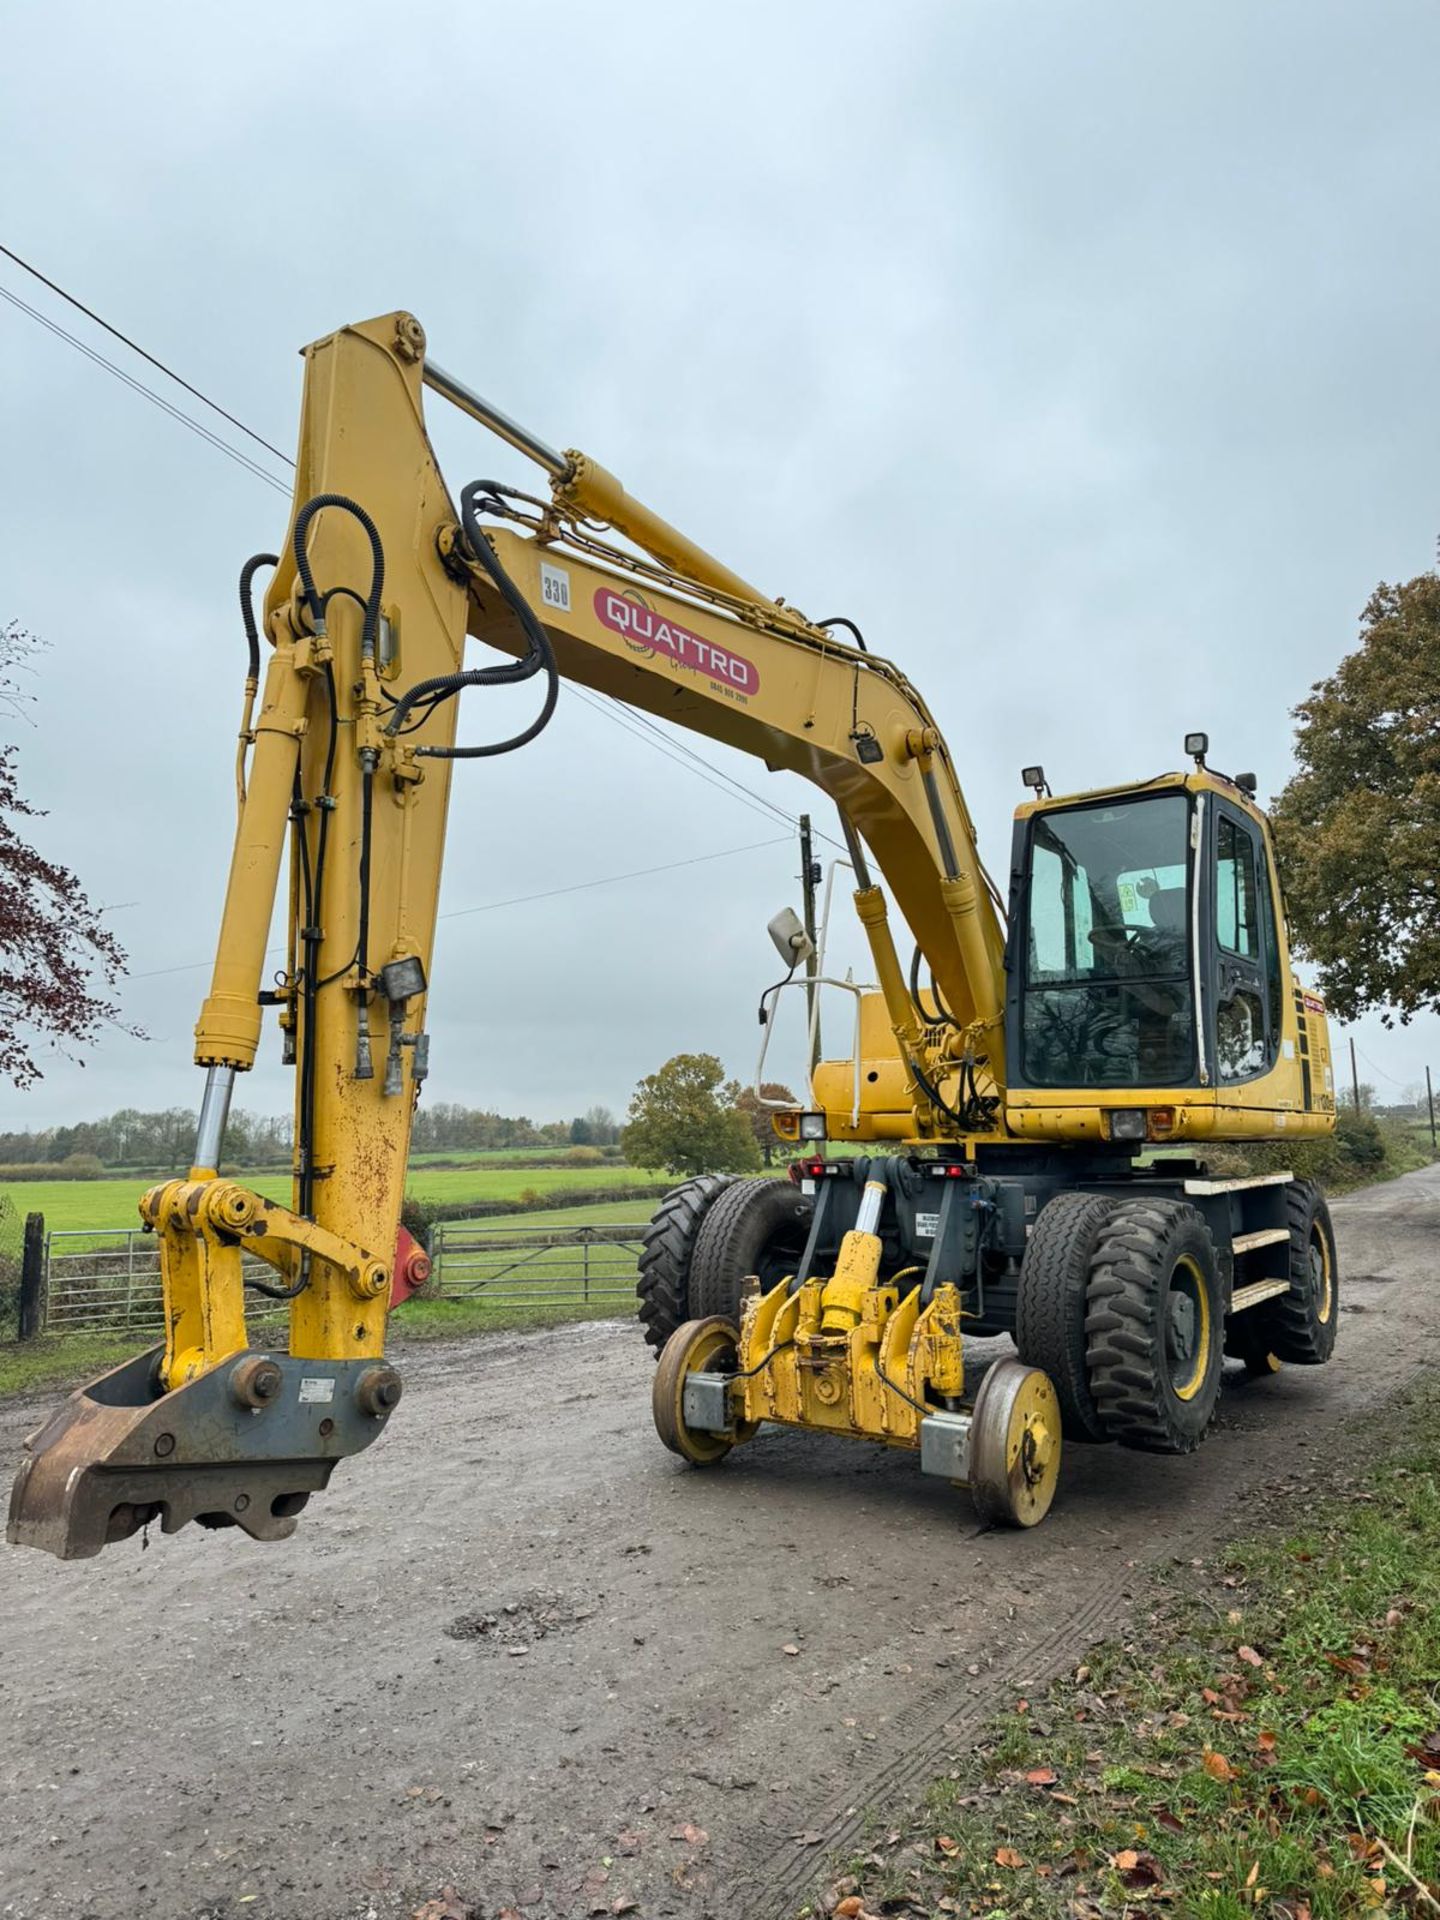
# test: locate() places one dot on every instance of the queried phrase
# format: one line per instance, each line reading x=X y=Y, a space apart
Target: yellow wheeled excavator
x=1024 y=1129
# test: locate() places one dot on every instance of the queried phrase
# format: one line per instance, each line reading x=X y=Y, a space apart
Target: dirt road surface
x=707 y=1680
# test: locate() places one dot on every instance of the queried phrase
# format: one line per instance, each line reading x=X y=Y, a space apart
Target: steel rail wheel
x=1014 y=1445
x=696 y=1346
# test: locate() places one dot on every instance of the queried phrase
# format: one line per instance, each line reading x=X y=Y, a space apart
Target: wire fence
x=108 y=1281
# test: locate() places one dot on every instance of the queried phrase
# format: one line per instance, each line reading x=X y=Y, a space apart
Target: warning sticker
x=927 y=1225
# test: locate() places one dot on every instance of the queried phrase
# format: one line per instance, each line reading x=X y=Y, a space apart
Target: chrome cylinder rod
x=872 y=1200
x=214 y=1112
x=468 y=401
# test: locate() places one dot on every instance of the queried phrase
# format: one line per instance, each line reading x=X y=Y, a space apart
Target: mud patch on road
x=514 y=1626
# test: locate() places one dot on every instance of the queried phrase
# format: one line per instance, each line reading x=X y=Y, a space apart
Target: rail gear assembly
x=1003 y=1114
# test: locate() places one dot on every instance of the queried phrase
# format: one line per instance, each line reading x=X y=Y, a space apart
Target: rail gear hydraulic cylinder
x=1139 y=996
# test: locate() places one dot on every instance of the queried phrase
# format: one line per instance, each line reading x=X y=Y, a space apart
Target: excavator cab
x=1147 y=967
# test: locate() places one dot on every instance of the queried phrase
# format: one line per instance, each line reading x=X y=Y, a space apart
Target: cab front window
x=1107 y=999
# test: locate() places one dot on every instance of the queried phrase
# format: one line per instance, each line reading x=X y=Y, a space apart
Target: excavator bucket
x=244 y=1445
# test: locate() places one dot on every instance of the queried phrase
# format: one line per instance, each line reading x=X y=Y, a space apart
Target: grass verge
x=1265 y=1742
x=63 y=1362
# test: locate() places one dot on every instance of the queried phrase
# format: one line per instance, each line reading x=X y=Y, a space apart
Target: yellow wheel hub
x=1322 y=1280
x=1187 y=1330
x=1014 y=1445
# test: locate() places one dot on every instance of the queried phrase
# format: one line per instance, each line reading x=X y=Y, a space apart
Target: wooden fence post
x=32 y=1278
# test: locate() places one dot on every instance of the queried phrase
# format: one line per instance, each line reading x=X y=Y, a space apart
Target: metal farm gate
x=108 y=1281
x=537 y=1266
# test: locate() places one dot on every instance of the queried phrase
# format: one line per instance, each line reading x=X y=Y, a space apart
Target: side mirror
x=792 y=943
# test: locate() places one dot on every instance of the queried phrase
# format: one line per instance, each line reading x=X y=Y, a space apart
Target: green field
x=86 y=1206
x=627 y=1212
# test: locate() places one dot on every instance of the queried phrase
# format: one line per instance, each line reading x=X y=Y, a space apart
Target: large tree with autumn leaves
x=1358 y=827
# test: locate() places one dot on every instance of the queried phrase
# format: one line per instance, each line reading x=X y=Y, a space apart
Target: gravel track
x=519 y=1651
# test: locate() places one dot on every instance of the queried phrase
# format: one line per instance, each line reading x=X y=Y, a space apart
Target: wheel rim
x=1322 y=1280
x=1187 y=1329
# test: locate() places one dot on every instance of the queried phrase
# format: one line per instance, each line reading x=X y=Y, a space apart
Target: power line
x=615 y=710
x=666 y=742
x=1402 y=1084
x=610 y=880
x=148 y=393
x=135 y=347
x=527 y=899
x=733 y=790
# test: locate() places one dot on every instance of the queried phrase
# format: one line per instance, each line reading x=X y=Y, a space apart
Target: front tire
x=1155 y=1326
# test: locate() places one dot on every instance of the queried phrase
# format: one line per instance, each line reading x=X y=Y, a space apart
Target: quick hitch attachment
x=202 y=1428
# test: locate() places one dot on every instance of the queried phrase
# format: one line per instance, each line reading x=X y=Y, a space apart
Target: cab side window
x=1246 y=1013
x=1236 y=903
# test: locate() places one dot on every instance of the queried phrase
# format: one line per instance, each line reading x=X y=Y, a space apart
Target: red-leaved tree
x=57 y=963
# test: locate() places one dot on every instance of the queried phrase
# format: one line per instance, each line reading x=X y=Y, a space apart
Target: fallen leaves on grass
x=1137 y=1867
x=1216 y=1765
x=1008 y=1857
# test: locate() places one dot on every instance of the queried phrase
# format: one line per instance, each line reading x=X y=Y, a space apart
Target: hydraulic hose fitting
x=364 y=1065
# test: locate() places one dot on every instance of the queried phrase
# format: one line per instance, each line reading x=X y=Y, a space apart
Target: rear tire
x=1300 y=1326
x=666 y=1252
x=1051 y=1309
x=754 y=1227
x=1155 y=1326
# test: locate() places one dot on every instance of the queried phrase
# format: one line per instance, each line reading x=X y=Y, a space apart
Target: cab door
x=1245 y=952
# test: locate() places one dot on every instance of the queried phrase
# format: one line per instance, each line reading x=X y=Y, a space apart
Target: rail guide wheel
x=696 y=1346
x=1014 y=1445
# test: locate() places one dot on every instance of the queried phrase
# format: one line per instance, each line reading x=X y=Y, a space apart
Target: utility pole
x=809 y=881
x=1430 y=1096
x=1354 y=1077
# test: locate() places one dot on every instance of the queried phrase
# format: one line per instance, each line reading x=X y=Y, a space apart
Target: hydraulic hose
x=850 y=627
x=252 y=671
x=941 y=1016
x=539 y=656
x=315 y=605
x=247 y=610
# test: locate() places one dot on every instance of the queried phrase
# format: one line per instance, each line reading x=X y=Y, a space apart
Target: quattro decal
x=646 y=631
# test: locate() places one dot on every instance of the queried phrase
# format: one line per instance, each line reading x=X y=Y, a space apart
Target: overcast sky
x=1083 y=354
